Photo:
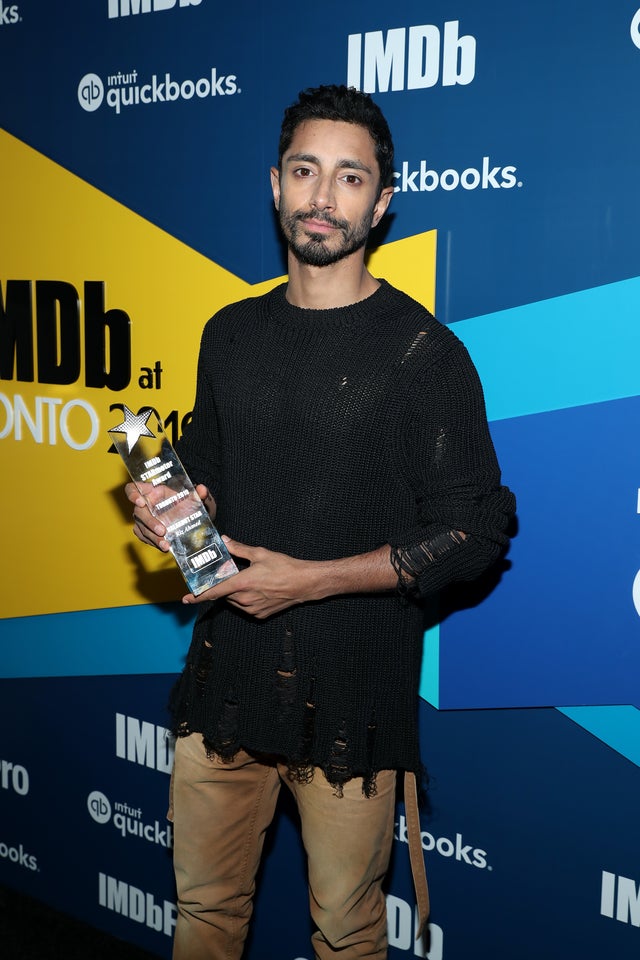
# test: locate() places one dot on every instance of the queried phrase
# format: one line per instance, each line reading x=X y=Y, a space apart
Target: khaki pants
x=221 y=812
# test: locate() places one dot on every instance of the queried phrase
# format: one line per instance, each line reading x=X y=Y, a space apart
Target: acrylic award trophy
x=170 y=495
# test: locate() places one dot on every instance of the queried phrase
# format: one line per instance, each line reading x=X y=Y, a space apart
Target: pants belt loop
x=416 y=857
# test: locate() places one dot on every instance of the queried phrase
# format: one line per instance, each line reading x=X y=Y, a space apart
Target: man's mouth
x=318 y=226
x=321 y=223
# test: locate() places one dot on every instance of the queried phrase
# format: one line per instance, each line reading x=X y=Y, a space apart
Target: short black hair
x=346 y=104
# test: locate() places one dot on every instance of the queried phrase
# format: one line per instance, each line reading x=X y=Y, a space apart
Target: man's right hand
x=146 y=527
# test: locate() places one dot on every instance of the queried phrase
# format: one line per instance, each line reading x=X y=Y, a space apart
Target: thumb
x=238 y=549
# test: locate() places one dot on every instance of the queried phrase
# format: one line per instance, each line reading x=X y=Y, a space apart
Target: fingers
x=248 y=601
x=232 y=585
x=238 y=549
x=146 y=528
x=134 y=495
x=207 y=498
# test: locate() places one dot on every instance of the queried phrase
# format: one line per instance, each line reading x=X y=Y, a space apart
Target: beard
x=320 y=249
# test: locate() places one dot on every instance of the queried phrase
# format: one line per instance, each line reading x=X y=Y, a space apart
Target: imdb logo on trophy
x=171 y=497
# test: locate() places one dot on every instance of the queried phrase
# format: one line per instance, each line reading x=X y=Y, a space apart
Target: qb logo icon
x=635 y=29
x=635 y=590
x=90 y=92
x=99 y=807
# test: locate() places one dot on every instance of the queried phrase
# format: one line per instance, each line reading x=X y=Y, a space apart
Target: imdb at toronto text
x=55 y=336
x=46 y=326
x=54 y=421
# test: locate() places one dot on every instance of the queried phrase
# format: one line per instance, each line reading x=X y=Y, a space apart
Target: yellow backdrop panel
x=66 y=523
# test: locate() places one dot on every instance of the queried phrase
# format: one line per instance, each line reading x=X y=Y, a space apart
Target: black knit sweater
x=325 y=434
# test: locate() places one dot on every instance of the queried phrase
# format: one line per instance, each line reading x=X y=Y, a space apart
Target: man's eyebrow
x=348 y=164
x=343 y=164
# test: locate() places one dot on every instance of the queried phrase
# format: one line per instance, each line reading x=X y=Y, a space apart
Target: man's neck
x=323 y=288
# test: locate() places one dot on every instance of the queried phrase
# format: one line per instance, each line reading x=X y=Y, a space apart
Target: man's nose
x=323 y=196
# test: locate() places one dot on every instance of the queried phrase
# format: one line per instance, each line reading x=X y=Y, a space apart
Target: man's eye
x=303 y=172
x=351 y=178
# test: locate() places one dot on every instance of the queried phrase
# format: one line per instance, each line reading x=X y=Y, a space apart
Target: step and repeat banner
x=135 y=143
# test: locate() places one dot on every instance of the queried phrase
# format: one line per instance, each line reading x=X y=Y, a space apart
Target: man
x=340 y=440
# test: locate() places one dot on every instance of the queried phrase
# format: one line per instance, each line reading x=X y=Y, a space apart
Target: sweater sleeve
x=447 y=456
x=199 y=448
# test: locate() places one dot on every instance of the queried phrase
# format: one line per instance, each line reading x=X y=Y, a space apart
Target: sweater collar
x=354 y=314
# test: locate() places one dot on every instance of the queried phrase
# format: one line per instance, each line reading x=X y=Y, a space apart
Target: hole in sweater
x=414 y=346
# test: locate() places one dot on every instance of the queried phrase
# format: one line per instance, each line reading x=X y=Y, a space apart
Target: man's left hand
x=271 y=583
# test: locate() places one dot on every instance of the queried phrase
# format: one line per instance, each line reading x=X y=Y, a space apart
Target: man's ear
x=381 y=205
x=275 y=186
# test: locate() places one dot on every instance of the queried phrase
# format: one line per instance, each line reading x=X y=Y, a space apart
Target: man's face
x=328 y=191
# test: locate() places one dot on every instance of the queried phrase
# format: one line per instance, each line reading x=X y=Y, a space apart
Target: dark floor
x=29 y=930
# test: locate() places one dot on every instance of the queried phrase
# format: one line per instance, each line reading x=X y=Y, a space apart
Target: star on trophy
x=170 y=495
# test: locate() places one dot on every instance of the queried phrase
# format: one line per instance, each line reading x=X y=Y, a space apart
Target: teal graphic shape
x=565 y=352
x=123 y=640
x=618 y=727
x=430 y=675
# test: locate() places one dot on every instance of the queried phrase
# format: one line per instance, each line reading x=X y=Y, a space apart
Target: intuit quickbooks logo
x=19 y=856
x=9 y=14
x=128 y=820
x=635 y=29
x=125 y=8
x=421 y=178
x=129 y=90
x=450 y=849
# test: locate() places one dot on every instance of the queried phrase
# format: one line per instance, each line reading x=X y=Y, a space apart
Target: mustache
x=321 y=217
